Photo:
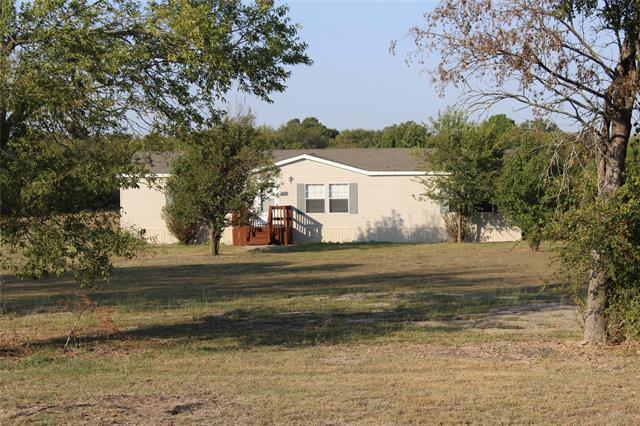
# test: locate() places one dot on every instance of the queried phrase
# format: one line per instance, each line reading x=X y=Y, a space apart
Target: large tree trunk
x=611 y=162
x=611 y=156
x=595 y=321
x=458 y=226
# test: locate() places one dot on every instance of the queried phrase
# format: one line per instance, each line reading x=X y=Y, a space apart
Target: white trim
x=325 y=195
x=345 y=198
x=351 y=168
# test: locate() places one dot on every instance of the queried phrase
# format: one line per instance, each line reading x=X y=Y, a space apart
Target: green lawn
x=317 y=334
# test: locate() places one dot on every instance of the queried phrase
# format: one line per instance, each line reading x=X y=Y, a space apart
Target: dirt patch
x=531 y=318
x=127 y=409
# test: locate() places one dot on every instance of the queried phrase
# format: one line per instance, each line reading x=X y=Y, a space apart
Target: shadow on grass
x=152 y=287
x=429 y=311
x=146 y=287
x=287 y=302
x=321 y=247
x=267 y=327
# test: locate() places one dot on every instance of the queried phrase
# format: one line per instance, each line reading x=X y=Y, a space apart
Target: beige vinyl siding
x=387 y=208
x=491 y=227
x=142 y=209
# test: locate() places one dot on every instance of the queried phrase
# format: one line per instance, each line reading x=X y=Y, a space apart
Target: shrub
x=452 y=226
x=186 y=233
x=624 y=314
x=612 y=226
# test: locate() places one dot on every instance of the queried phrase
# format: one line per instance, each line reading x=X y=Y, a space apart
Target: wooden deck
x=277 y=231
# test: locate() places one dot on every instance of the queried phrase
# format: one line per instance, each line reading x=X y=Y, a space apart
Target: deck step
x=278 y=229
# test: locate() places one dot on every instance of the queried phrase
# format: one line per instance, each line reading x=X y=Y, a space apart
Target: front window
x=339 y=198
x=314 y=196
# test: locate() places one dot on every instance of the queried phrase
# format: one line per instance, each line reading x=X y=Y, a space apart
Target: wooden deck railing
x=278 y=230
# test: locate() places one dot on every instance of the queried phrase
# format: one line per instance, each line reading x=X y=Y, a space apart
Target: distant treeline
x=310 y=133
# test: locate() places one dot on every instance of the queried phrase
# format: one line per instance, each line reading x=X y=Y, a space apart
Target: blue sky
x=355 y=82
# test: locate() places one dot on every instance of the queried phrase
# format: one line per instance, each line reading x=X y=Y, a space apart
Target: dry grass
x=322 y=334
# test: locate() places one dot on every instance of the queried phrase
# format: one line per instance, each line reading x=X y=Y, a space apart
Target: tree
x=612 y=226
x=185 y=233
x=356 y=138
x=221 y=171
x=526 y=191
x=306 y=134
x=570 y=58
x=468 y=157
x=77 y=72
x=404 y=135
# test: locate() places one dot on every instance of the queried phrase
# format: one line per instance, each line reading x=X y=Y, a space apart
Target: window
x=339 y=198
x=314 y=198
x=487 y=207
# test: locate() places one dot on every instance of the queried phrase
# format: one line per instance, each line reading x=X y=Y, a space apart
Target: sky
x=355 y=82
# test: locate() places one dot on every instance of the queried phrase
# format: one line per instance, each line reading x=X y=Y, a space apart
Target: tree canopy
x=468 y=157
x=575 y=59
x=219 y=172
x=527 y=194
x=80 y=72
x=296 y=134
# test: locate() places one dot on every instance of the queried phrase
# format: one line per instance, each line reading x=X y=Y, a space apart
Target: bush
x=612 y=227
x=186 y=233
x=452 y=226
x=528 y=190
x=624 y=314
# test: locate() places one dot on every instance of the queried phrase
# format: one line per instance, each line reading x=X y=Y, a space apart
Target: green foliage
x=615 y=14
x=624 y=314
x=312 y=134
x=404 y=135
x=539 y=125
x=219 y=172
x=81 y=67
x=55 y=206
x=610 y=225
x=308 y=133
x=468 y=157
x=77 y=75
x=81 y=242
x=356 y=138
x=185 y=232
x=526 y=191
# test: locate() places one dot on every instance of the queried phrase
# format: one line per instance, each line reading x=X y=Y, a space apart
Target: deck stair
x=278 y=230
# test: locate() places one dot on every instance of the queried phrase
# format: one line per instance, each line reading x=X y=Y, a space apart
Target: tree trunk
x=216 y=246
x=611 y=156
x=458 y=226
x=4 y=129
x=213 y=244
x=595 y=324
x=611 y=162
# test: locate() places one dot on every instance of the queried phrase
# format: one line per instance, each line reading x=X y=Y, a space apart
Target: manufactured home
x=331 y=195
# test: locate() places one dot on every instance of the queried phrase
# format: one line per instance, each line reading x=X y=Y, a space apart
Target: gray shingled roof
x=370 y=159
